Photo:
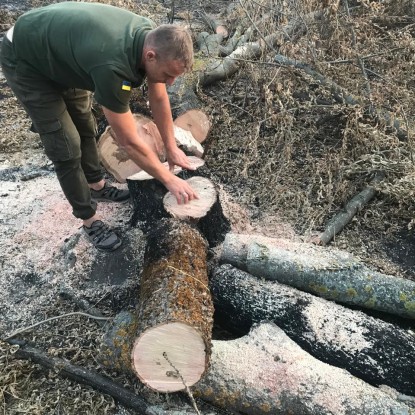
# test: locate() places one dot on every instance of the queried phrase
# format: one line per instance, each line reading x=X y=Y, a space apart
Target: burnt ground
x=287 y=156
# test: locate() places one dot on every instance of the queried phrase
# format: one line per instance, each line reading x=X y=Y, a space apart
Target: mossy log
x=378 y=352
x=332 y=274
x=167 y=340
x=266 y=373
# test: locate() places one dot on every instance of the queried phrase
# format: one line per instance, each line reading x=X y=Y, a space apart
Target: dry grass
x=280 y=143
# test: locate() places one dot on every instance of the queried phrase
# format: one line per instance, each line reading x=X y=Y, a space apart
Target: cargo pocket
x=58 y=146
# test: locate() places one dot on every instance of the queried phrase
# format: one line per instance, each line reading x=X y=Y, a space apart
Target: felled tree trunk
x=375 y=351
x=173 y=323
x=332 y=274
x=266 y=373
x=206 y=211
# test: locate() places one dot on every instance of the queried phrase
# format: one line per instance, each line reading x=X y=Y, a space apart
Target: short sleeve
x=111 y=90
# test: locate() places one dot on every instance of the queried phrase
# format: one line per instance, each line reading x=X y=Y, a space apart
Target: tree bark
x=369 y=348
x=332 y=274
x=175 y=309
x=265 y=373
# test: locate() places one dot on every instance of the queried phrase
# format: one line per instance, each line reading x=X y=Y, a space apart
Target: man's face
x=160 y=71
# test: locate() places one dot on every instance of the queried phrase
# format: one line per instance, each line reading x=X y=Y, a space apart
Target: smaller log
x=147 y=196
x=195 y=121
x=332 y=274
x=206 y=211
x=116 y=160
x=266 y=373
x=83 y=376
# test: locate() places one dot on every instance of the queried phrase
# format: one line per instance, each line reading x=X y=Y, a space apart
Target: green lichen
x=351 y=292
x=410 y=306
x=368 y=288
x=403 y=297
x=371 y=302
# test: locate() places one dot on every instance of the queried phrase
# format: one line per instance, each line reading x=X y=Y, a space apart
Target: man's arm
x=126 y=131
x=161 y=111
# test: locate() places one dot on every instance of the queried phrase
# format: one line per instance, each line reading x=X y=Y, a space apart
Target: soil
x=44 y=253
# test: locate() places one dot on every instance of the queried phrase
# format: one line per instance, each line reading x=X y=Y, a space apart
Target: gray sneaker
x=102 y=237
x=110 y=194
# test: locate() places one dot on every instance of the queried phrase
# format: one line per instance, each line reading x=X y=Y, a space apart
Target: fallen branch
x=379 y=353
x=266 y=373
x=332 y=274
x=338 y=223
x=83 y=376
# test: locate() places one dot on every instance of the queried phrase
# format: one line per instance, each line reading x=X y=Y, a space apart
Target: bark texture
x=266 y=373
x=174 y=289
x=332 y=274
x=369 y=348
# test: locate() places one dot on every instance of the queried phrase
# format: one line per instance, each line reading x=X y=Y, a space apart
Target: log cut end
x=195 y=163
x=169 y=357
x=195 y=121
x=196 y=208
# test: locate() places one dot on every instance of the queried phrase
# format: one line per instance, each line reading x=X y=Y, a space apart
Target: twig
x=83 y=376
x=192 y=399
x=75 y=313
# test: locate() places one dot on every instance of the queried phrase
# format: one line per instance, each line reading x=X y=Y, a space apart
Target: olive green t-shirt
x=90 y=46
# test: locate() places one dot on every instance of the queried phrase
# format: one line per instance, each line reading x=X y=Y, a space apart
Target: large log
x=369 y=348
x=332 y=274
x=266 y=373
x=171 y=329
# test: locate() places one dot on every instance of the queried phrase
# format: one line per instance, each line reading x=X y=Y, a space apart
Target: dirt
x=281 y=187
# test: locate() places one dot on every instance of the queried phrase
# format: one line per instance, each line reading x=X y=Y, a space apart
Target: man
x=55 y=55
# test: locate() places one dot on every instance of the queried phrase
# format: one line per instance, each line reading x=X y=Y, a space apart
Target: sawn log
x=167 y=341
x=369 y=348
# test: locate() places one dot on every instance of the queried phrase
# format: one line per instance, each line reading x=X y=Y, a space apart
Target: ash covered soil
x=47 y=263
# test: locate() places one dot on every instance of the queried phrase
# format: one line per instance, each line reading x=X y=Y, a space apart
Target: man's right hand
x=180 y=189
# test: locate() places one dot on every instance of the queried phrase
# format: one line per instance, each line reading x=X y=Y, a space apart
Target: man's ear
x=150 y=55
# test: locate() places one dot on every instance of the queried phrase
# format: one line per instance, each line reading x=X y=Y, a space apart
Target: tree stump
x=375 y=351
x=166 y=342
x=266 y=373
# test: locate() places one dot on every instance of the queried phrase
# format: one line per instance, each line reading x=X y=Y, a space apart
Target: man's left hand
x=176 y=157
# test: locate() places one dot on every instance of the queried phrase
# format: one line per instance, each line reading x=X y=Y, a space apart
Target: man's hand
x=181 y=190
x=176 y=157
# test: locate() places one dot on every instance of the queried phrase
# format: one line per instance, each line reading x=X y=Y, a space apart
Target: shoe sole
x=109 y=201
x=113 y=248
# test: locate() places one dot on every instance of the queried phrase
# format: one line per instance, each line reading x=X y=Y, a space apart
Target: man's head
x=167 y=53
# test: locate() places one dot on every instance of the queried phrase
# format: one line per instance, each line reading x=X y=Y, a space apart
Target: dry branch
x=343 y=97
x=332 y=274
x=83 y=376
x=338 y=222
x=379 y=353
x=265 y=373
